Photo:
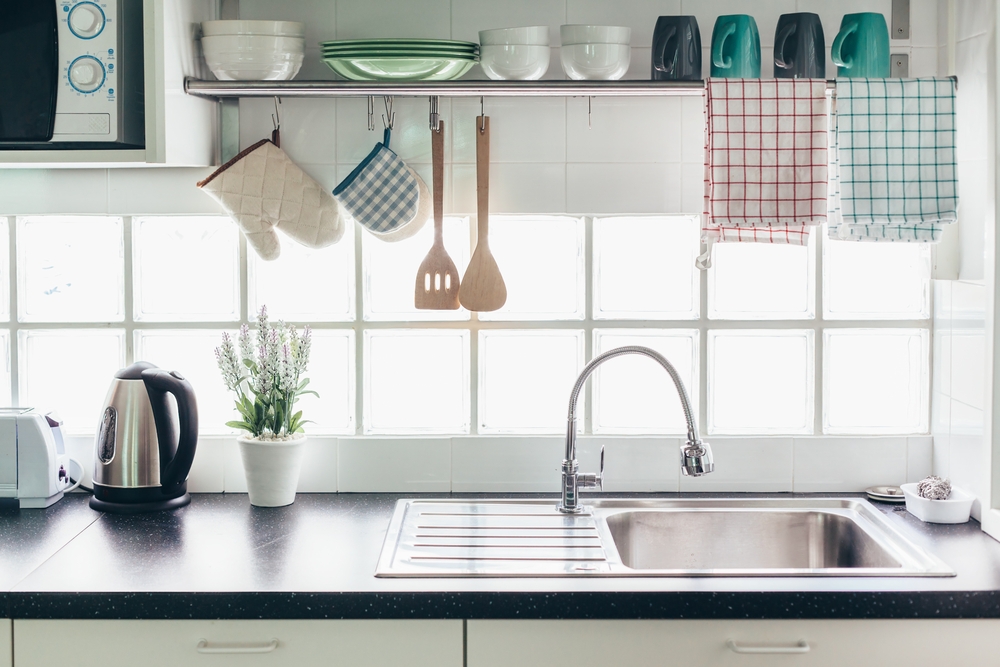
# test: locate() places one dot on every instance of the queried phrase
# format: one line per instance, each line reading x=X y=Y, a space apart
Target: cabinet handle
x=260 y=647
x=801 y=646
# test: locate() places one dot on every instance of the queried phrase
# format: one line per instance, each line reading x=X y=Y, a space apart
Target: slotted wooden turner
x=483 y=288
x=437 y=278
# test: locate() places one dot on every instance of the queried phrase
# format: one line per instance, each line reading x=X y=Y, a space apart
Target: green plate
x=400 y=69
x=398 y=49
x=445 y=43
x=400 y=54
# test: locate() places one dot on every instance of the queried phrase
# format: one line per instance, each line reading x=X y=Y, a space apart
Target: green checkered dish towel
x=893 y=173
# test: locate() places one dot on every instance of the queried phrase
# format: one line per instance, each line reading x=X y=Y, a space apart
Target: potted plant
x=267 y=377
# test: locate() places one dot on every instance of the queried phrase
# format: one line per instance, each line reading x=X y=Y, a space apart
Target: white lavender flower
x=246 y=348
x=263 y=327
x=302 y=355
x=266 y=369
x=232 y=371
x=286 y=373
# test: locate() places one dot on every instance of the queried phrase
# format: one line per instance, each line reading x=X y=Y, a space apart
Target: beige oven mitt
x=263 y=190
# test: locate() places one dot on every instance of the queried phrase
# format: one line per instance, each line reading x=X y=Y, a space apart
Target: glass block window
x=829 y=338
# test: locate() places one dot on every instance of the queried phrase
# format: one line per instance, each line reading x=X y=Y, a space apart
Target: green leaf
x=303 y=384
x=243 y=426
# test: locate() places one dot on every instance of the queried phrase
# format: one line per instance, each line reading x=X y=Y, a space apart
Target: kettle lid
x=134 y=372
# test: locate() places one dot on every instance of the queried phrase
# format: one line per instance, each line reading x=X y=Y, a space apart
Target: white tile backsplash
x=848 y=464
x=173 y=192
x=468 y=17
x=919 y=457
x=319 y=16
x=506 y=464
x=621 y=130
x=623 y=188
x=208 y=469
x=633 y=464
x=426 y=19
x=747 y=464
x=377 y=465
x=521 y=129
x=641 y=15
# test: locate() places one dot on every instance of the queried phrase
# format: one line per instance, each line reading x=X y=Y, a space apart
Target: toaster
x=34 y=467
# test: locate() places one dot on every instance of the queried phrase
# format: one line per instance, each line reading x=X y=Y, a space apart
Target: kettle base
x=139 y=508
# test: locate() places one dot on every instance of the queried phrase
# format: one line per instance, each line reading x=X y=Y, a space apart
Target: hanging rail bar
x=556 y=88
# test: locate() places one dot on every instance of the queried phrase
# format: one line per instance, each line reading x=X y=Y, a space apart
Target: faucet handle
x=589 y=480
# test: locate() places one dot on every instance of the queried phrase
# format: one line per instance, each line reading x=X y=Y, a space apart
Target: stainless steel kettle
x=145 y=445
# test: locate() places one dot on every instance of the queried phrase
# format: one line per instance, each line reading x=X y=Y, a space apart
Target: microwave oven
x=73 y=74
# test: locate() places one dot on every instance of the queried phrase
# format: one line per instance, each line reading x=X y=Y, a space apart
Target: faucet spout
x=696 y=456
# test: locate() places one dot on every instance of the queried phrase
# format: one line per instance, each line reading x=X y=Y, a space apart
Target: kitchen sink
x=698 y=537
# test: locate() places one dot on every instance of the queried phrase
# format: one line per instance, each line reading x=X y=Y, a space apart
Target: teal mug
x=736 y=47
x=861 y=48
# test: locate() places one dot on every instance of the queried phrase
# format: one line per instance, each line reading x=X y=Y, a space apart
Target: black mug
x=676 y=49
x=799 y=47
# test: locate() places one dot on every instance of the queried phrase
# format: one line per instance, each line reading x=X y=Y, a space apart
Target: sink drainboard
x=649 y=538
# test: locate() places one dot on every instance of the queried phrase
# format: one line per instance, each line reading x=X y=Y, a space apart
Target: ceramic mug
x=736 y=47
x=676 y=49
x=799 y=47
x=861 y=48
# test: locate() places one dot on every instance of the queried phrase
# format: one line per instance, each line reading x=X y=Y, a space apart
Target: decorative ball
x=934 y=488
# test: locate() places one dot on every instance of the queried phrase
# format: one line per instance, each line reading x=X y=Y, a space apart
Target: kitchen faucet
x=696 y=456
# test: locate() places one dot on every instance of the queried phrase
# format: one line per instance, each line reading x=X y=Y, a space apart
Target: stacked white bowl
x=253 y=50
x=595 y=52
x=515 y=53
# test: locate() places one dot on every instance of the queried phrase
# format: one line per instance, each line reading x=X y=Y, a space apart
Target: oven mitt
x=385 y=196
x=263 y=190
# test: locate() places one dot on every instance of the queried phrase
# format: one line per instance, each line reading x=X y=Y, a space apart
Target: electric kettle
x=145 y=442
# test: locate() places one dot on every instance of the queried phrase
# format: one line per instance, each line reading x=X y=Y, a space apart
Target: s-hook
x=276 y=122
x=482 y=116
x=435 y=116
x=590 y=111
x=388 y=118
x=371 y=113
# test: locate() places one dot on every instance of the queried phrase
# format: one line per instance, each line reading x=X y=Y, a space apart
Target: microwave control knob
x=86 y=74
x=86 y=20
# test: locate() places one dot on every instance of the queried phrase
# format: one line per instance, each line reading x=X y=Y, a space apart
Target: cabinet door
x=44 y=643
x=6 y=643
x=809 y=643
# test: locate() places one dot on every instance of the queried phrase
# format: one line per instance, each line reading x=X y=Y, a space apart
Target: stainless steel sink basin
x=649 y=538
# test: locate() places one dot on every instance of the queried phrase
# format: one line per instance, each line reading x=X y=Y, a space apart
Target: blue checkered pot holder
x=382 y=193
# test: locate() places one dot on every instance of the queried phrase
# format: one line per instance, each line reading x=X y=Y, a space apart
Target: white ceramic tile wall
x=958 y=415
x=638 y=156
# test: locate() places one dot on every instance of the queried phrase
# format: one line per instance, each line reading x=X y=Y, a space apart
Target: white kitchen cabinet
x=6 y=643
x=830 y=643
x=44 y=643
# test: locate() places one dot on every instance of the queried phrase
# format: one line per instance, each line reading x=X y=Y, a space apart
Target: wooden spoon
x=482 y=286
x=437 y=278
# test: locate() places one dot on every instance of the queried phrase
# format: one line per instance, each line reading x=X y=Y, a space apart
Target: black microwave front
x=73 y=75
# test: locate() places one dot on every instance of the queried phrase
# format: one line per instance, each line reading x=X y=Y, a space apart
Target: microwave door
x=29 y=49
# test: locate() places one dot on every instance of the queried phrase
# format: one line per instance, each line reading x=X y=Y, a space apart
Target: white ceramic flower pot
x=272 y=469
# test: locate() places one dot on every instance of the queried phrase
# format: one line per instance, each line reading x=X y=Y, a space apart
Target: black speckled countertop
x=222 y=558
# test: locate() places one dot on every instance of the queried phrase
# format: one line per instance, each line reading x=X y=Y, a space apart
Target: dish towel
x=894 y=176
x=766 y=161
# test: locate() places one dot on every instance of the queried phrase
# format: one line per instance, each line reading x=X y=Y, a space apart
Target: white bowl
x=536 y=34
x=956 y=509
x=273 y=28
x=519 y=62
x=594 y=34
x=235 y=68
x=595 y=62
x=265 y=44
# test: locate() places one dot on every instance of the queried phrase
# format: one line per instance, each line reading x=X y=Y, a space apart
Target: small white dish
x=258 y=44
x=594 y=34
x=595 y=62
x=956 y=509
x=243 y=67
x=515 y=62
x=273 y=28
x=536 y=34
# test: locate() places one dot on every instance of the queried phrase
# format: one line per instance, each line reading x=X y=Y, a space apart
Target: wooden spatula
x=437 y=278
x=482 y=286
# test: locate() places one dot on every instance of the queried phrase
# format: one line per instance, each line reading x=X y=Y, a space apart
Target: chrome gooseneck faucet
x=696 y=456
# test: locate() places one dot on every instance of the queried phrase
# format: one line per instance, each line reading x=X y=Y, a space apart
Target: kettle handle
x=175 y=459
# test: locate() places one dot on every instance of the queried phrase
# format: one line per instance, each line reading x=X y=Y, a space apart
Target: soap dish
x=954 y=510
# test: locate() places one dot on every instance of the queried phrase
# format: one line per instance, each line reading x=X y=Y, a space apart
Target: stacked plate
x=253 y=50
x=400 y=59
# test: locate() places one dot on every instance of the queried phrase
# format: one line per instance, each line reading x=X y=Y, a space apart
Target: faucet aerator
x=696 y=459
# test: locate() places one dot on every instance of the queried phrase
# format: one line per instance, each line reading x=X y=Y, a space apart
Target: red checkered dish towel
x=766 y=161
